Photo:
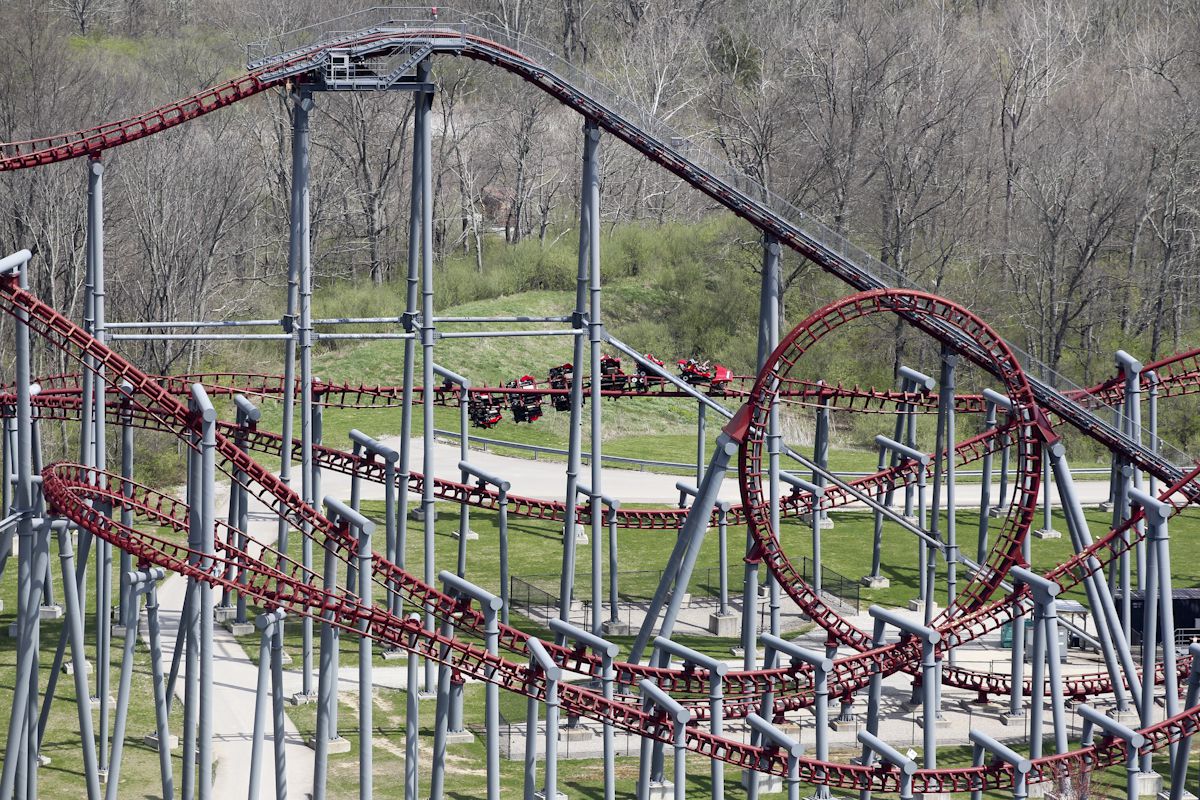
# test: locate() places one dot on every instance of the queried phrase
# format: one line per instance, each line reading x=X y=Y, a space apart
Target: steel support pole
x=266 y=625
x=73 y=625
x=27 y=603
x=949 y=363
x=279 y=722
x=591 y=161
x=722 y=556
x=1183 y=748
x=135 y=584
x=162 y=731
x=1108 y=624
x=441 y=721
x=768 y=332
x=326 y=681
x=701 y=438
x=566 y=588
x=885 y=494
x=207 y=520
x=412 y=714
x=428 y=332
x=412 y=287
x=692 y=536
x=366 y=680
x=300 y=250
x=985 y=491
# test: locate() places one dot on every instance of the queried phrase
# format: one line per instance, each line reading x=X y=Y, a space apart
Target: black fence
x=848 y=592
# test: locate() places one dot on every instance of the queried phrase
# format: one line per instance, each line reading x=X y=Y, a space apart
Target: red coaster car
x=612 y=377
x=560 y=378
x=642 y=379
x=702 y=373
x=485 y=410
x=525 y=407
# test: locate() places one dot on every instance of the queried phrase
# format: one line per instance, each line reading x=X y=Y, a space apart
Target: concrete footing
x=724 y=625
x=767 y=784
x=151 y=741
x=615 y=628
x=875 y=582
x=459 y=737
x=471 y=535
x=336 y=746
x=239 y=628
x=1013 y=720
x=1047 y=533
x=418 y=514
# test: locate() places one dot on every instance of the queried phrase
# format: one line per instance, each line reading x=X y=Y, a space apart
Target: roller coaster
x=662 y=694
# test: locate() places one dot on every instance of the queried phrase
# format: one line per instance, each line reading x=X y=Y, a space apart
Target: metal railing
x=537 y=449
x=847 y=592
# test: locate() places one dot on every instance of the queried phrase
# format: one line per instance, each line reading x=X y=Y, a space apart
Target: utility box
x=1006 y=639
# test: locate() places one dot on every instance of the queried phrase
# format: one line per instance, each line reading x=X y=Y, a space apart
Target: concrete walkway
x=235 y=681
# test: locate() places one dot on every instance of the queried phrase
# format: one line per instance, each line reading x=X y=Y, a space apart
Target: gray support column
x=302 y=106
x=464 y=533
x=701 y=439
x=874 y=697
x=278 y=721
x=100 y=445
x=1133 y=740
x=366 y=680
x=541 y=662
x=929 y=639
x=1020 y=764
x=985 y=491
x=265 y=623
x=722 y=555
x=490 y=605
x=692 y=536
x=411 y=718
x=207 y=520
x=874 y=579
x=1108 y=622
x=716 y=697
x=655 y=700
x=136 y=584
x=126 y=560
x=924 y=550
x=428 y=332
x=1132 y=370
x=298 y=234
x=583 y=279
x=162 y=731
x=873 y=745
x=821 y=665
x=775 y=739
x=73 y=623
x=768 y=337
x=1159 y=612
x=410 y=344
x=949 y=362
x=607 y=651
x=591 y=135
